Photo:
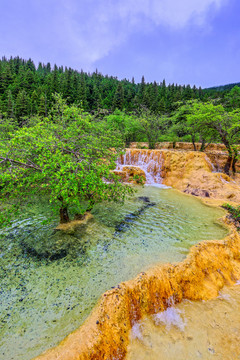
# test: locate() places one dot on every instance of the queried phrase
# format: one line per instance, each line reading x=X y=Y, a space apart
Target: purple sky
x=184 y=41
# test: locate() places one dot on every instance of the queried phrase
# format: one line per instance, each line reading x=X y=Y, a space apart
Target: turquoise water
x=50 y=280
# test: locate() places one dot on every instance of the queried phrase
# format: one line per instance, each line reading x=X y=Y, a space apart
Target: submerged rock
x=52 y=247
x=125 y=224
x=45 y=243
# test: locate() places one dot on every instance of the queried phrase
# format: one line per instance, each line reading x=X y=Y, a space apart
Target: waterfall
x=150 y=161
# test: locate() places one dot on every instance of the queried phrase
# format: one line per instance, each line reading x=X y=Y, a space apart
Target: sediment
x=208 y=267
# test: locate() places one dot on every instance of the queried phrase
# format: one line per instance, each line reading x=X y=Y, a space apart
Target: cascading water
x=147 y=160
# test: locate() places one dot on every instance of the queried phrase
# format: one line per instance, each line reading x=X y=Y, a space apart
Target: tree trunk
x=193 y=142
x=203 y=143
x=235 y=159
x=230 y=158
x=234 y=165
x=228 y=165
x=64 y=217
x=151 y=144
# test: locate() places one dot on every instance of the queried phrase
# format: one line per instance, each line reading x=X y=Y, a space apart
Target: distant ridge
x=223 y=87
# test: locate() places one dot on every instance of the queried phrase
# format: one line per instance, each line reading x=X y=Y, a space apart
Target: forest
x=62 y=130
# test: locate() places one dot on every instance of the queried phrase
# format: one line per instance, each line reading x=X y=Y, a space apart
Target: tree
x=152 y=126
x=69 y=159
x=10 y=104
x=233 y=98
x=125 y=124
x=118 y=99
x=225 y=125
x=183 y=124
x=22 y=105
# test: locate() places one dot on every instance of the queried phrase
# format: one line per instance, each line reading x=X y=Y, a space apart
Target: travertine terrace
x=209 y=266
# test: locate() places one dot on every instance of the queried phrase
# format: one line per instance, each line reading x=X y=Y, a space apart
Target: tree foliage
x=67 y=157
x=214 y=121
x=32 y=90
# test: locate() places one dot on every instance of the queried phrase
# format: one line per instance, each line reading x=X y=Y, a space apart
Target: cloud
x=91 y=29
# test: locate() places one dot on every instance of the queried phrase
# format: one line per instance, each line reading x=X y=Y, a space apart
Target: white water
x=170 y=317
x=149 y=161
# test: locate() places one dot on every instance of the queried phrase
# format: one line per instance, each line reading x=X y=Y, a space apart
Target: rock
x=134 y=173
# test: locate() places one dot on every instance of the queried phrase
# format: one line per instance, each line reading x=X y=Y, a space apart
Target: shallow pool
x=50 y=281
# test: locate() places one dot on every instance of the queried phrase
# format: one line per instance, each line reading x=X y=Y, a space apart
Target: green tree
x=233 y=98
x=42 y=108
x=184 y=125
x=152 y=126
x=118 y=99
x=125 y=124
x=10 y=104
x=69 y=159
x=22 y=105
x=225 y=125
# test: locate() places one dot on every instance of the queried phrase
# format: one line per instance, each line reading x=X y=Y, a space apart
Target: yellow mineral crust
x=208 y=267
x=105 y=334
x=191 y=172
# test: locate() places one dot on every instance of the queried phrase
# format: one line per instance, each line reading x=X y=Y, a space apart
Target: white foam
x=149 y=162
x=210 y=163
x=226 y=297
x=160 y=186
x=170 y=317
x=136 y=331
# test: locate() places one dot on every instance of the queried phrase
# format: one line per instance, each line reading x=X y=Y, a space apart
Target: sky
x=194 y=42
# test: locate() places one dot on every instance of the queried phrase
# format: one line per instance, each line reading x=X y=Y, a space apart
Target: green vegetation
x=61 y=131
x=234 y=211
x=67 y=157
x=209 y=121
x=27 y=90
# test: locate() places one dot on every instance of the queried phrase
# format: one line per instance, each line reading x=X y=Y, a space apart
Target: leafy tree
x=183 y=124
x=233 y=98
x=152 y=126
x=67 y=158
x=225 y=125
x=125 y=124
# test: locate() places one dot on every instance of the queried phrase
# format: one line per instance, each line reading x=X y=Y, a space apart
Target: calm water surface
x=50 y=281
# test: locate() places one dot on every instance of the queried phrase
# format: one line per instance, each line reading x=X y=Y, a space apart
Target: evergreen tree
x=42 y=109
x=118 y=97
x=34 y=103
x=22 y=105
x=10 y=105
x=82 y=91
x=55 y=80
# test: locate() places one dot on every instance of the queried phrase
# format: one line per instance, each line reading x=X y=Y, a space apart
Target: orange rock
x=134 y=172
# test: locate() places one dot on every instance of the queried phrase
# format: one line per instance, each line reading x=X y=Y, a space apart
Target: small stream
x=50 y=281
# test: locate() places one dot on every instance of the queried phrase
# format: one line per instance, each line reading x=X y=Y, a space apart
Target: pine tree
x=82 y=91
x=118 y=99
x=22 y=105
x=10 y=105
x=96 y=99
x=42 y=109
x=34 y=103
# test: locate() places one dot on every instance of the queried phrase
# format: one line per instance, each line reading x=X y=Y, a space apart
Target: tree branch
x=31 y=166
